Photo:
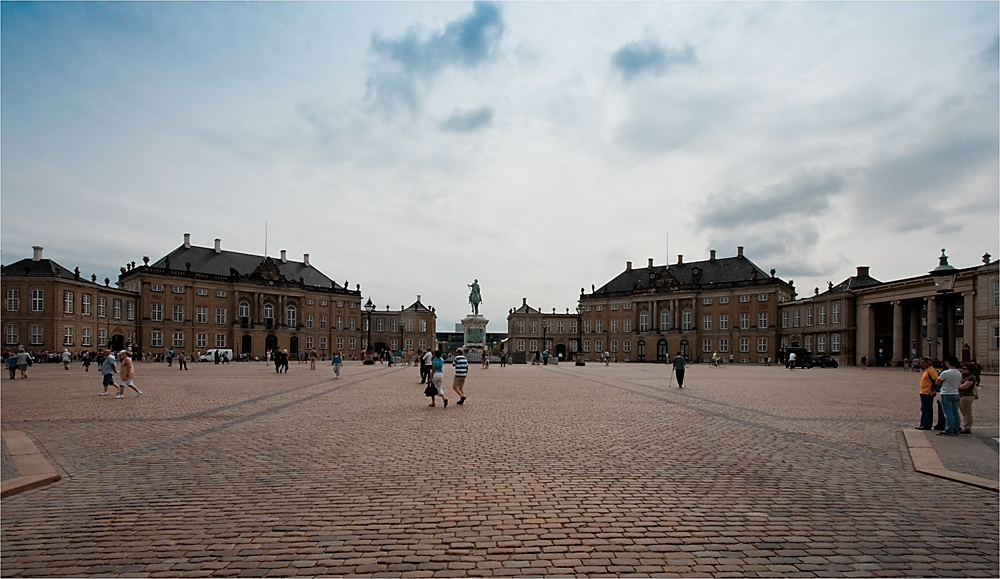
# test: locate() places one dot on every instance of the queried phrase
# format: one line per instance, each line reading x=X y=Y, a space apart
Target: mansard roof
x=28 y=267
x=701 y=274
x=525 y=308
x=206 y=260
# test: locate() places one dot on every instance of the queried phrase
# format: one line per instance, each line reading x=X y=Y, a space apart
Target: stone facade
x=48 y=308
x=530 y=331
x=410 y=328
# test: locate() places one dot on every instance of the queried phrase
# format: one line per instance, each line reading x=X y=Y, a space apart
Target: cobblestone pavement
x=555 y=470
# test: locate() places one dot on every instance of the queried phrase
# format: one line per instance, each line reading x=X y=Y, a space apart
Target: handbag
x=430 y=390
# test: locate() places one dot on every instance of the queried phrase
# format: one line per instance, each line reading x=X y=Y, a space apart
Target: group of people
x=121 y=365
x=18 y=362
x=955 y=388
x=434 y=376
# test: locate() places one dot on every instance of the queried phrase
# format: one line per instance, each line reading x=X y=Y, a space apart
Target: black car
x=824 y=362
x=802 y=357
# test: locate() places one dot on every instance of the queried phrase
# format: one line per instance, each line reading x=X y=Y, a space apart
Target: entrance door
x=117 y=342
x=293 y=346
x=661 y=351
x=271 y=343
x=641 y=350
x=561 y=352
x=245 y=347
x=685 y=349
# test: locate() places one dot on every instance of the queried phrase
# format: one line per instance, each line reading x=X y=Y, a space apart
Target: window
x=724 y=300
x=613 y=346
x=102 y=307
x=761 y=345
x=598 y=345
x=626 y=325
x=996 y=294
x=686 y=321
x=761 y=319
x=706 y=345
x=744 y=321
x=340 y=304
x=178 y=340
x=534 y=327
x=102 y=337
x=37 y=300
x=394 y=325
x=561 y=326
x=35 y=335
x=761 y=297
x=68 y=336
x=244 y=310
x=177 y=314
x=520 y=345
x=996 y=337
x=599 y=308
x=202 y=291
x=665 y=320
x=178 y=289
x=796 y=319
x=269 y=315
x=131 y=337
x=220 y=340
x=322 y=342
x=835 y=314
x=309 y=301
x=156 y=312
x=723 y=344
x=220 y=293
x=353 y=342
x=586 y=345
x=201 y=314
x=520 y=326
x=627 y=346
x=201 y=340
x=353 y=305
x=13 y=300
x=423 y=325
x=744 y=344
x=340 y=323
x=706 y=322
x=572 y=326
x=323 y=322
x=599 y=326
x=156 y=339
x=85 y=337
x=131 y=311
x=220 y=316
x=614 y=307
x=10 y=335
x=309 y=342
x=68 y=302
x=626 y=306
x=835 y=343
x=706 y=301
x=408 y=344
x=323 y=303
x=379 y=324
x=364 y=324
x=586 y=326
x=744 y=299
x=821 y=312
x=784 y=318
x=809 y=316
x=340 y=344
x=116 y=309
x=614 y=326
x=156 y=287
x=723 y=321
x=821 y=343
x=291 y=318
x=643 y=321
x=352 y=324
x=809 y=343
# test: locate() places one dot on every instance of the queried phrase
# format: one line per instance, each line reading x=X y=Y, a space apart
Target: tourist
x=182 y=361
x=108 y=370
x=276 y=358
x=927 y=393
x=425 y=366
x=791 y=360
x=949 y=380
x=126 y=372
x=607 y=358
x=284 y=360
x=864 y=363
x=436 y=378
x=503 y=359
x=461 y=364
x=12 y=364
x=170 y=358
x=337 y=361
x=679 y=362
x=486 y=358
x=23 y=361
x=66 y=358
x=968 y=391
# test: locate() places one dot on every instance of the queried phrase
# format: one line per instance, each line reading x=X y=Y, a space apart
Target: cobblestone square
x=233 y=470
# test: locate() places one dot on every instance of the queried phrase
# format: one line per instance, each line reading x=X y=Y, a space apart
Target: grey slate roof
x=702 y=273
x=205 y=260
x=853 y=283
x=417 y=306
x=526 y=309
x=41 y=268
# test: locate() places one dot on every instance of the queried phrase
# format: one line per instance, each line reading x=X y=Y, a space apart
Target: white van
x=209 y=356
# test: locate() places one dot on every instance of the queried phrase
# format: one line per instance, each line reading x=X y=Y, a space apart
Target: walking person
x=461 y=364
x=126 y=372
x=607 y=358
x=436 y=378
x=337 y=361
x=864 y=363
x=170 y=358
x=284 y=361
x=12 y=364
x=66 y=358
x=276 y=358
x=425 y=366
x=503 y=359
x=87 y=359
x=182 y=361
x=679 y=362
x=928 y=391
x=23 y=361
x=108 y=371
x=949 y=380
x=968 y=391
x=791 y=361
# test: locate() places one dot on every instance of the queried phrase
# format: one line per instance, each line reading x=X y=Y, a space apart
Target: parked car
x=824 y=361
x=803 y=359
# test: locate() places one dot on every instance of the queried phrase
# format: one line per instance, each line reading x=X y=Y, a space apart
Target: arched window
x=244 y=310
x=290 y=317
x=665 y=320
x=686 y=319
x=643 y=321
x=269 y=315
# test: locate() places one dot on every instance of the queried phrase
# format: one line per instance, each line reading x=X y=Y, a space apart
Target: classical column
x=897 y=333
x=865 y=334
x=948 y=348
x=932 y=329
x=969 y=322
x=915 y=337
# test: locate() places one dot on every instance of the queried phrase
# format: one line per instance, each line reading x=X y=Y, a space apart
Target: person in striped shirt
x=461 y=364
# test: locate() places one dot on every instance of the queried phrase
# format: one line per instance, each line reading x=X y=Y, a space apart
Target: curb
x=34 y=469
x=926 y=461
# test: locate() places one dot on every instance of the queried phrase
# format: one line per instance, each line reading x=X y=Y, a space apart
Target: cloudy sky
x=413 y=147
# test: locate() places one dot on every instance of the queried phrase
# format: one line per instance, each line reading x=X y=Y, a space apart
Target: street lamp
x=369 y=307
x=579 y=339
x=545 y=345
x=944 y=277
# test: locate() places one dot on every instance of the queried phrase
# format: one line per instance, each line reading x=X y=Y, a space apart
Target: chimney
x=650 y=262
x=739 y=251
x=418 y=298
x=187 y=241
x=305 y=259
x=218 y=245
x=628 y=266
x=713 y=256
x=36 y=253
x=680 y=259
x=863 y=271
x=524 y=301
x=283 y=258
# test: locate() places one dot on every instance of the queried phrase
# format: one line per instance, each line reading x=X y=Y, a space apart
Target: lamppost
x=579 y=339
x=545 y=331
x=944 y=282
x=401 y=308
x=369 y=307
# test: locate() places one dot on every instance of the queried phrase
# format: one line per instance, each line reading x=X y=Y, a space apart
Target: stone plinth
x=474 y=331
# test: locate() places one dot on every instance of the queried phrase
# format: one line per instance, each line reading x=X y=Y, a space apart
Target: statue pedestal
x=474 y=330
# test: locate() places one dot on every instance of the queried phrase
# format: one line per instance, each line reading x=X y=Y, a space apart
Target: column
x=948 y=347
x=897 y=333
x=969 y=322
x=865 y=333
x=932 y=329
x=915 y=337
